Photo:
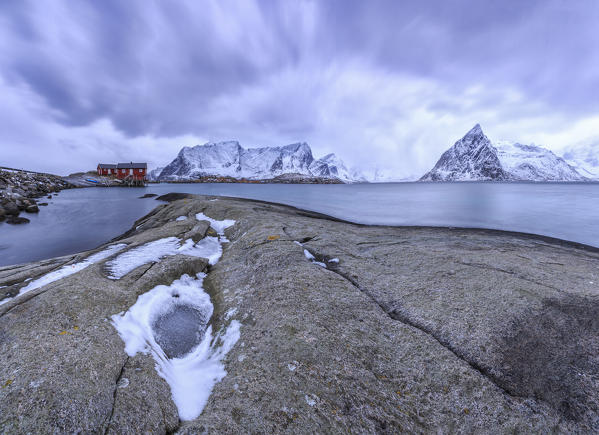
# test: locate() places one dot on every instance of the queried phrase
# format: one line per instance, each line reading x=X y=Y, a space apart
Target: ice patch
x=208 y=247
x=230 y=313
x=152 y=251
x=334 y=260
x=181 y=218
x=219 y=226
x=192 y=376
x=311 y=257
x=69 y=270
x=297 y=243
x=310 y=399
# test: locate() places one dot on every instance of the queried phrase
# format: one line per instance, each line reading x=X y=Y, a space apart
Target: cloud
x=381 y=83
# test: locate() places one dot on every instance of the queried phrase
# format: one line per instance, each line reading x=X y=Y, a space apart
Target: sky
x=383 y=84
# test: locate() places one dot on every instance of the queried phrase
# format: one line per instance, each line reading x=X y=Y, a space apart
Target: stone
x=413 y=330
x=11 y=208
x=148 y=195
x=16 y=220
x=32 y=209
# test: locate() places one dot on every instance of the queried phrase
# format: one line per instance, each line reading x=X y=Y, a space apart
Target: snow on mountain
x=385 y=175
x=532 y=162
x=232 y=160
x=331 y=166
x=154 y=173
x=471 y=158
x=585 y=159
x=474 y=158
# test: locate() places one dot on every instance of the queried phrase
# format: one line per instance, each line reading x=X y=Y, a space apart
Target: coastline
x=342 y=325
x=19 y=191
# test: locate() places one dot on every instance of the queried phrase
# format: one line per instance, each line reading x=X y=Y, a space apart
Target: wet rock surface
x=405 y=330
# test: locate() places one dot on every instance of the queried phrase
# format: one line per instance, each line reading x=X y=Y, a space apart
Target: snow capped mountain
x=154 y=173
x=474 y=158
x=230 y=159
x=331 y=166
x=532 y=162
x=471 y=158
x=585 y=159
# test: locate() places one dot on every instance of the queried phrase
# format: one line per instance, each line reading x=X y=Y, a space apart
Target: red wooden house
x=132 y=171
x=106 y=169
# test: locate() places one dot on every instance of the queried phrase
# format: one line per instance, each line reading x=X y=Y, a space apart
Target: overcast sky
x=381 y=83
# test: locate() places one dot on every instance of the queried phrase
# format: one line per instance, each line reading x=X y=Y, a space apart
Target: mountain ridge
x=475 y=158
x=230 y=159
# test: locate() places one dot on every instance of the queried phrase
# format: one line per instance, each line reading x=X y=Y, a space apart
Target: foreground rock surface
x=403 y=329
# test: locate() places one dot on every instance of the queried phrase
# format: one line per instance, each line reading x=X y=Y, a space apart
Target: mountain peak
x=475 y=131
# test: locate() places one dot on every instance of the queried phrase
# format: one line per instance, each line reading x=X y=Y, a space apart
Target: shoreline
x=480 y=230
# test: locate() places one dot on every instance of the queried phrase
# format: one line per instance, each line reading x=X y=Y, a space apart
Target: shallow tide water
x=81 y=219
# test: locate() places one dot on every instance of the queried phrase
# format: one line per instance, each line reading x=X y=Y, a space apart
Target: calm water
x=82 y=219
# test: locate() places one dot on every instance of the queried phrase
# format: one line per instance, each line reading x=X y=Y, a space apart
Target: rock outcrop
x=343 y=327
x=20 y=189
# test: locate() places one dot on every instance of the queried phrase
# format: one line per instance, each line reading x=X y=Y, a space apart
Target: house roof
x=106 y=166
x=132 y=166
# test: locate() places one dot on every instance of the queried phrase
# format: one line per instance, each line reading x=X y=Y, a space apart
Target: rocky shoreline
x=20 y=190
x=342 y=327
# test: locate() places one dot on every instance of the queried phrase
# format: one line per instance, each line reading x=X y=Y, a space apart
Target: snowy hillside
x=154 y=173
x=585 y=159
x=230 y=159
x=475 y=157
x=532 y=162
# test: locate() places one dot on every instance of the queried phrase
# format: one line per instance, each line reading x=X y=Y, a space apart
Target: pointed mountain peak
x=475 y=131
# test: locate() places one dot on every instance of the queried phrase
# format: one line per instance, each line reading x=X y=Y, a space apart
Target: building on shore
x=130 y=173
x=107 y=169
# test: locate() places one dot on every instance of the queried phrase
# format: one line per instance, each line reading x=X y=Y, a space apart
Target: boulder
x=10 y=208
x=32 y=209
x=16 y=220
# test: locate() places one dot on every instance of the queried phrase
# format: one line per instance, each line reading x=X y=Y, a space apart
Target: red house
x=106 y=169
x=131 y=171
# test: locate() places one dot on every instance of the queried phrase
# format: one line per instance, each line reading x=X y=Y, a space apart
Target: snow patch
x=69 y=270
x=192 y=376
x=208 y=247
x=133 y=258
x=181 y=218
x=219 y=226
x=311 y=257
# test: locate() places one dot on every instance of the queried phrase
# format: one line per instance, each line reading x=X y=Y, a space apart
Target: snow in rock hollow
x=69 y=270
x=209 y=248
x=311 y=257
x=218 y=226
x=148 y=253
x=191 y=376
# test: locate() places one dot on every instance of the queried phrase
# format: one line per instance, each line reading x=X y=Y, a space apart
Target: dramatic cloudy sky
x=386 y=84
